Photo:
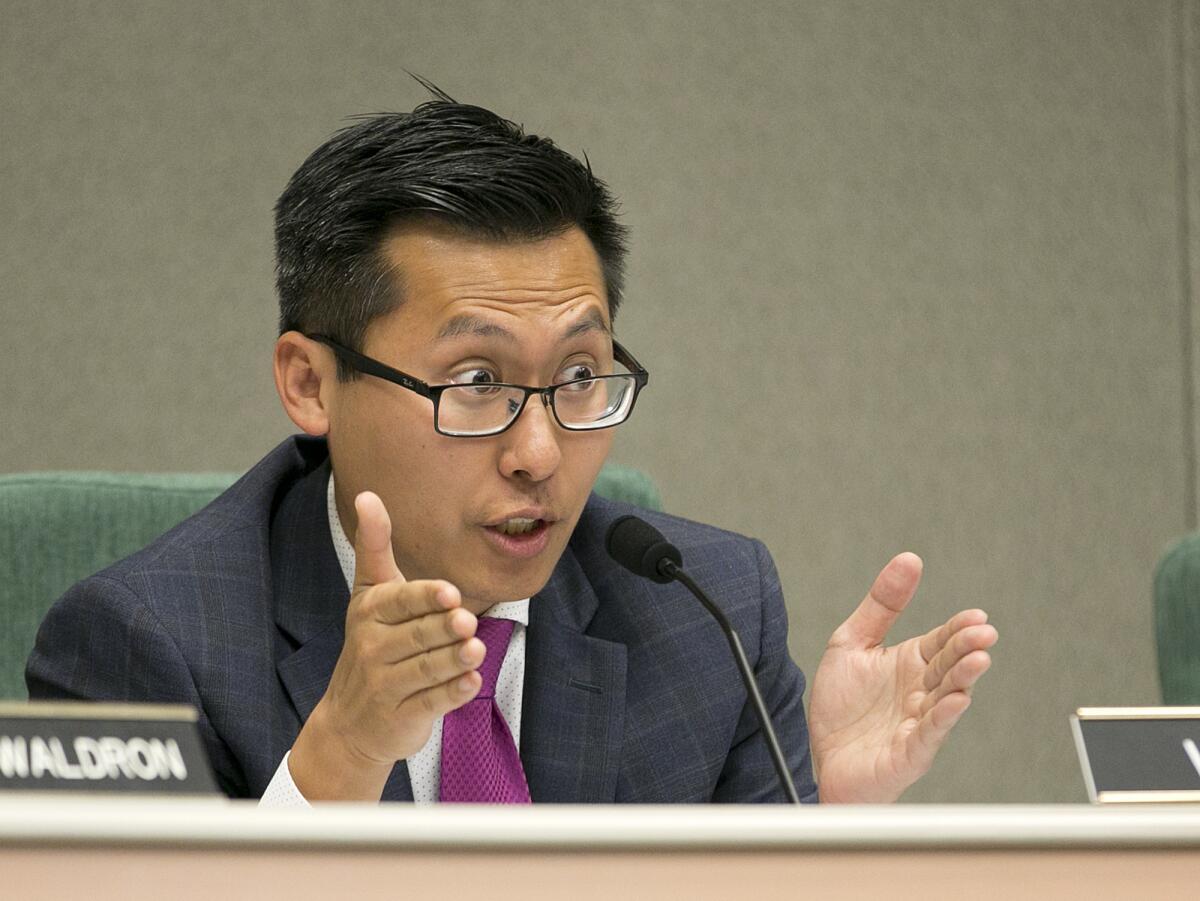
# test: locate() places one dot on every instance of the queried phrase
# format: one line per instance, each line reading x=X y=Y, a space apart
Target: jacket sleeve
x=749 y=775
x=102 y=642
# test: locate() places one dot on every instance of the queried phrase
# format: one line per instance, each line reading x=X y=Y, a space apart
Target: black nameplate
x=103 y=747
x=1139 y=754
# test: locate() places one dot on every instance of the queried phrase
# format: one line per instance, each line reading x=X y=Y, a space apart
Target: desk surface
x=50 y=820
x=61 y=846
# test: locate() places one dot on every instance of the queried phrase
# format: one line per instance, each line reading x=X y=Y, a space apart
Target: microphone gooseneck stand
x=642 y=549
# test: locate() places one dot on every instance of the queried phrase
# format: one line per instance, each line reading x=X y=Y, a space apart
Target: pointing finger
x=402 y=602
x=374 y=561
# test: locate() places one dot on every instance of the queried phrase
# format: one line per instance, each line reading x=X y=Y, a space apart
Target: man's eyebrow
x=593 y=322
x=466 y=324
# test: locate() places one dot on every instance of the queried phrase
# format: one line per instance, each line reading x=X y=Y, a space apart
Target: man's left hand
x=879 y=714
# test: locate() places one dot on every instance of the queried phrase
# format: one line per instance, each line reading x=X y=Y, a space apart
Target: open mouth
x=520 y=537
x=519 y=526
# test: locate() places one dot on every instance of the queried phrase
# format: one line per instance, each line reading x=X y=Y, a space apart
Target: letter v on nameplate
x=102 y=747
x=1193 y=753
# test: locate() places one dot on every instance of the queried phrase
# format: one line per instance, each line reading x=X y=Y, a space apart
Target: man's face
x=529 y=313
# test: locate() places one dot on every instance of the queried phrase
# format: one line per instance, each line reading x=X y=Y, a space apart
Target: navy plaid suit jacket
x=631 y=694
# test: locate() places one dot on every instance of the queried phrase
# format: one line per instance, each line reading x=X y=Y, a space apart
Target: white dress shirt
x=425 y=766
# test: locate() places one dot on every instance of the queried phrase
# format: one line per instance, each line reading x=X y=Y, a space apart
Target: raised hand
x=879 y=714
x=409 y=657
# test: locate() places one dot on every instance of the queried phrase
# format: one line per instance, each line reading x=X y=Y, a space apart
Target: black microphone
x=639 y=547
x=642 y=549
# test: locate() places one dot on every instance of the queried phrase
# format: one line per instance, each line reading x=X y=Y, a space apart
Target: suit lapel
x=573 y=707
x=310 y=597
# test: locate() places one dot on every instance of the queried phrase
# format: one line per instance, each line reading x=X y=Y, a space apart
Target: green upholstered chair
x=58 y=527
x=1177 y=622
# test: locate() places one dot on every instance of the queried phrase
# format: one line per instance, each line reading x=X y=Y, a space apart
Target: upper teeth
x=517 y=526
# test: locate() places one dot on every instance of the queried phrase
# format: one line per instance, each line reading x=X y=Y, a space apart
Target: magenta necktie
x=480 y=763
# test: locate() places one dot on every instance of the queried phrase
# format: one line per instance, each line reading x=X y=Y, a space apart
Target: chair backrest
x=59 y=527
x=1177 y=622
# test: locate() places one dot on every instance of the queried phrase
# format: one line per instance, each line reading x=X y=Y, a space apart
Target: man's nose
x=531 y=444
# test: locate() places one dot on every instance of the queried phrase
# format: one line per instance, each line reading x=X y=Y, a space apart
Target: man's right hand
x=409 y=657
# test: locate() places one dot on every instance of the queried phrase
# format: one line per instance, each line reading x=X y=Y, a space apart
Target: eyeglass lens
x=479 y=409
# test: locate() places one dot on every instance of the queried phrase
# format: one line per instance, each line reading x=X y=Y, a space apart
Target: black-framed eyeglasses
x=480 y=409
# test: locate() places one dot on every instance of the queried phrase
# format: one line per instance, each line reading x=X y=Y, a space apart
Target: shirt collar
x=518 y=611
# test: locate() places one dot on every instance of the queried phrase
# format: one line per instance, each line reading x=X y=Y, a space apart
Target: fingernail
x=464 y=684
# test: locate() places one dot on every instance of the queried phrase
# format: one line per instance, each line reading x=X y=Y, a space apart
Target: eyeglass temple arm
x=373 y=367
x=625 y=358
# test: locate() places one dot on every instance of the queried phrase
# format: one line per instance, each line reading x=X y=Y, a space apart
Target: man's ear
x=306 y=378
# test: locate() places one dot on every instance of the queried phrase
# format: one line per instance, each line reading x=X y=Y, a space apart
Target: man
x=393 y=606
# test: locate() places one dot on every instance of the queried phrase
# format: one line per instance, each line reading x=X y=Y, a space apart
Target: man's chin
x=511 y=583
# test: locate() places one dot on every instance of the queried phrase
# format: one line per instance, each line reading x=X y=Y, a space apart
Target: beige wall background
x=907 y=275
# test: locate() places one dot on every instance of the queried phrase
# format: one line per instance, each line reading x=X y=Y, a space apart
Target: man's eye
x=474 y=377
x=479 y=379
x=576 y=371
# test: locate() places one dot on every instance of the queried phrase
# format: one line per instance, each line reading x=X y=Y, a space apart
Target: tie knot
x=495 y=634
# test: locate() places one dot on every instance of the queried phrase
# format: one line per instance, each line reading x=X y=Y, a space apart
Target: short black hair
x=446 y=163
